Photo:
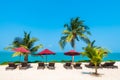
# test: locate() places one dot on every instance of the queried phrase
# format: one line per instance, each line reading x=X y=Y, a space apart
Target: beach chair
x=51 y=66
x=91 y=65
x=77 y=66
x=109 y=65
x=67 y=65
x=41 y=65
x=11 y=66
x=24 y=65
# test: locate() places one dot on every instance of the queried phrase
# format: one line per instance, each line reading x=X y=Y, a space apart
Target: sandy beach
x=60 y=73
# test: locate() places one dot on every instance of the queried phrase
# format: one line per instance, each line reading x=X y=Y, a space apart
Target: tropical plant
x=73 y=32
x=95 y=54
x=26 y=42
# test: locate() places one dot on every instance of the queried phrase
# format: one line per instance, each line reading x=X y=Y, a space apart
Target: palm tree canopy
x=94 y=53
x=74 y=31
x=26 y=42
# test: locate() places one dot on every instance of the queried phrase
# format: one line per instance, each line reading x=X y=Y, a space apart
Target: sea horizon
x=58 y=57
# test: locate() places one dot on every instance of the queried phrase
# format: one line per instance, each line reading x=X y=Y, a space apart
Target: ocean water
x=7 y=57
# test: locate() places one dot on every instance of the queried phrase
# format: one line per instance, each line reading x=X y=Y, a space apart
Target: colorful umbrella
x=21 y=50
x=46 y=52
x=72 y=53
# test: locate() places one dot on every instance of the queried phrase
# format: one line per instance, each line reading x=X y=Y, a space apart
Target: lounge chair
x=77 y=66
x=109 y=65
x=67 y=65
x=11 y=66
x=24 y=65
x=51 y=66
x=41 y=65
x=91 y=65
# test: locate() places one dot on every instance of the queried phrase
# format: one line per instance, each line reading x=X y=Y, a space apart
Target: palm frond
x=84 y=38
x=66 y=32
x=88 y=32
x=73 y=43
x=16 y=54
x=8 y=48
x=73 y=30
x=34 y=49
x=67 y=27
x=92 y=43
x=63 y=42
x=26 y=38
x=31 y=42
x=76 y=37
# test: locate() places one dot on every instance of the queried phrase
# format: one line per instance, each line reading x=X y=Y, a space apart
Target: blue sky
x=45 y=20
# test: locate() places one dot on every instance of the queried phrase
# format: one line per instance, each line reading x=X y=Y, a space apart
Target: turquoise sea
x=7 y=57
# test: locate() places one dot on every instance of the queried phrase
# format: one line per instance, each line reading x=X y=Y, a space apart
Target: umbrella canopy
x=72 y=53
x=46 y=52
x=21 y=49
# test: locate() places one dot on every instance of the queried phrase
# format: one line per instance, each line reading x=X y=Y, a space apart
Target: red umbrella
x=21 y=49
x=46 y=52
x=72 y=53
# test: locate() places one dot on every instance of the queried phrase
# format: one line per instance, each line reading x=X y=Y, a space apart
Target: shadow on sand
x=92 y=74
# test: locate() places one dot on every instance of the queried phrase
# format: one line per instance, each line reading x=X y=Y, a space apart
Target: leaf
x=62 y=43
x=36 y=48
x=66 y=32
x=9 y=48
x=73 y=43
x=24 y=46
x=16 y=54
x=92 y=44
x=88 y=33
x=69 y=38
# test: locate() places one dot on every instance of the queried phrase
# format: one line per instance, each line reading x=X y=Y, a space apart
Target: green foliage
x=53 y=61
x=74 y=31
x=36 y=48
x=26 y=42
x=94 y=53
x=84 y=61
x=9 y=48
x=65 y=60
x=4 y=63
x=16 y=54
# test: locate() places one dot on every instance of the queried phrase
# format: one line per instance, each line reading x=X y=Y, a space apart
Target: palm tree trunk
x=96 y=69
x=26 y=58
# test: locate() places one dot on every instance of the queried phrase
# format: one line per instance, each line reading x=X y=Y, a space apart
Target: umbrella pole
x=72 y=59
x=46 y=59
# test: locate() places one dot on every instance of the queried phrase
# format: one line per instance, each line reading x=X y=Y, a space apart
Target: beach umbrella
x=72 y=53
x=46 y=52
x=20 y=50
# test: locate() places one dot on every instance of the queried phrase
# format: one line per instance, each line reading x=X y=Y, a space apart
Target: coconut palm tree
x=27 y=42
x=95 y=54
x=74 y=31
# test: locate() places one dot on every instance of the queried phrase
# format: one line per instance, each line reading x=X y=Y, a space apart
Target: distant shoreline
x=59 y=57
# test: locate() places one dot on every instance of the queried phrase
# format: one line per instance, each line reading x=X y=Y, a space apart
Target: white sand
x=60 y=73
